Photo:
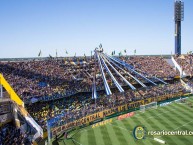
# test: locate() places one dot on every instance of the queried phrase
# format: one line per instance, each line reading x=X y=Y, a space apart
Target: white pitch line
x=158 y=114
x=119 y=127
x=184 y=125
x=151 y=116
x=179 y=127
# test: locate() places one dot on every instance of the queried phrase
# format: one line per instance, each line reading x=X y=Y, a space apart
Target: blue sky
x=28 y=26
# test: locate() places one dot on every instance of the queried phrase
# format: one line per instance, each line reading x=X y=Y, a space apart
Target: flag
x=50 y=56
x=125 y=51
x=40 y=53
x=100 y=46
x=135 y=51
x=56 y=53
x=85 y=56
x=113 y=52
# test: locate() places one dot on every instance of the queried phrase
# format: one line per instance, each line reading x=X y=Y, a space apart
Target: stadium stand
x=185 y=61
x=78 y=109
x=153 y=66
x=10 y=135
x=53 y=87
x=57 y=78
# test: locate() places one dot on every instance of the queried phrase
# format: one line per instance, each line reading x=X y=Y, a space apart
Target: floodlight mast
x=178 y=17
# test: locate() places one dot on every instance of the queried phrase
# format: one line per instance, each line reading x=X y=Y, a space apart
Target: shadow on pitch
x=61 y=139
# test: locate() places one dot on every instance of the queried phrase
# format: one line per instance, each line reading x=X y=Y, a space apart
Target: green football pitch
x=175 y=116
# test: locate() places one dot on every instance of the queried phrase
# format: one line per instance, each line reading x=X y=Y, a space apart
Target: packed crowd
x=41 y=111
x=64 y=86
x=189 y=82
x=185 y=62
x=46 y=78
x=152 y=66
x=82 y=105
x=10 y=135
x=57 y=78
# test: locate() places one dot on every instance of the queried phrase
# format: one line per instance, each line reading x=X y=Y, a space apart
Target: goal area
x=181 y=100
x=152 y=105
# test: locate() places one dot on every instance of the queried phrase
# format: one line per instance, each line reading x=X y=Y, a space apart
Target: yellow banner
x=102 y=123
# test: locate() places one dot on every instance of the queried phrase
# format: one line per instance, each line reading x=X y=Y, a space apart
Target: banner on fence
x=121 y=117
x=102 y=123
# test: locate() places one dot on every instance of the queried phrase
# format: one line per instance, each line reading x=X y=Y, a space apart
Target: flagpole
x=95 y=102
x=134 y=51
x=56 y=53
x=40 y=53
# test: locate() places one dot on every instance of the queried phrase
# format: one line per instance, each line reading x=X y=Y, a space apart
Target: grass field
x=171 y=117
